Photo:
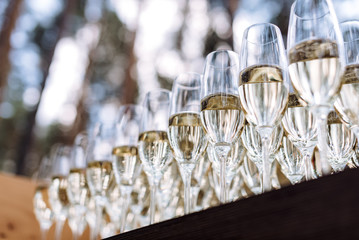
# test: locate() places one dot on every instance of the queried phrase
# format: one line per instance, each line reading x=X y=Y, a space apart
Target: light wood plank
x=17 y=220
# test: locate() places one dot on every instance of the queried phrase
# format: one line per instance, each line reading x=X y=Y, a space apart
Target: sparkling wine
x=347 y=101
x=42 y=209
x=263 y=94
x=314 y=68
x=299 y=123
x=77 y=190
x=58 y=194
x=99 y=176
x=187 y=137
x=126 y=164
x=155 y=152
x=222 y=117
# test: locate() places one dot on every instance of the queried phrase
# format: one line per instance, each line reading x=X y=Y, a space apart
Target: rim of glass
x=129 y=106
x=183 y=84
x=276 y=29
x=157 y=92
x=124 y=110
x=230 y=53
x=349 y=22
x=303 y=18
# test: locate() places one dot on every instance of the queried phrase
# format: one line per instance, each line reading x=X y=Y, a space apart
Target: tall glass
x=315 y=61
x=185 y=131
x=99 y=172
x=264 y=87
x=77 y=187
x=126 y=162
x=153 y=145
x=347 y=101
x=221 y=113
x=58 y=198
x=42 y=210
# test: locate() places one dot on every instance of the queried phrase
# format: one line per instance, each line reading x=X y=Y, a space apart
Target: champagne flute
x=42 y=210
x=126 y=163
x=300 y=125
x=185 y=131
x=315 y=61
x=99 y=172
x=221 y=113
x=340 y=143
x=263 y=90
x=77 y=188
x=58 y=198
x=153 y=145
x=347 y=101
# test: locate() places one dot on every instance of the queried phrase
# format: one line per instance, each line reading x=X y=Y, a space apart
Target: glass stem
x=93 y=235
x=153 y=202
x=266 y=186
x=186 y=172
x=126 y=193
x=59 y=227
x=75 y=232
x=265 y=133
x=194 y=197
x=228 y=184
x=99 y=212
x=44 y=233
x=222 y=151
x=355 y=130
x=75 y=235
x=308 y=165
x=322 y=143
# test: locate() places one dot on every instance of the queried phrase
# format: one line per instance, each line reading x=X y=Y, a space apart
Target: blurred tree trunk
x=81 y=111
x=26 y=137
x=231 y=8
x=130 y=84
x=11 y=14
